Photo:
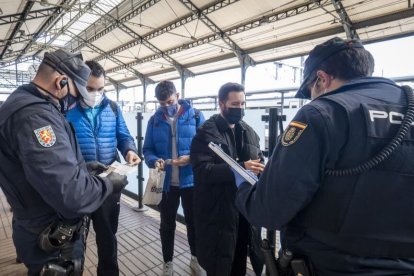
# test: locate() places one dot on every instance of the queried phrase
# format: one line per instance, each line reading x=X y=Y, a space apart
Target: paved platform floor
x=139 y=246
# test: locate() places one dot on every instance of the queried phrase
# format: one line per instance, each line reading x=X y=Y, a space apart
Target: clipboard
x=232 y=163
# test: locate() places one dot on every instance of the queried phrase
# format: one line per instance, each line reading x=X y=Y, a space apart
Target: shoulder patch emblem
x=292 y=133
x=45 y=136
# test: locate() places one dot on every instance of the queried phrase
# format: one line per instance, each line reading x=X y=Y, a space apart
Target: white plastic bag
x=153 y=191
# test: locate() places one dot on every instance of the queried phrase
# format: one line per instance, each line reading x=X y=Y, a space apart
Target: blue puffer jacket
x=110 y=133
x=157 y=143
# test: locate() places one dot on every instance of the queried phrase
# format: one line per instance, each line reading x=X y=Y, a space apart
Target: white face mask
x=93 y=98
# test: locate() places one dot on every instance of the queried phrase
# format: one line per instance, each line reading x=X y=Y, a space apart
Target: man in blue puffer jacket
x=167 y=146
x=101 y=130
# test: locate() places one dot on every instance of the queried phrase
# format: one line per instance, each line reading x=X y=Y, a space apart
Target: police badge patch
x=292 y=133
x=45 y=136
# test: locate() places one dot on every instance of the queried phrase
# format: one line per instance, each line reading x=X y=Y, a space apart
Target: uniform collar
x=358 y=82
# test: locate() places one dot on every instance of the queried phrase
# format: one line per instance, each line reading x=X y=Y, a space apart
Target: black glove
x=95 y=167
x=118 y=181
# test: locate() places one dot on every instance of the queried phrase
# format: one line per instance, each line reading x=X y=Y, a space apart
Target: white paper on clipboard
x=232 y=163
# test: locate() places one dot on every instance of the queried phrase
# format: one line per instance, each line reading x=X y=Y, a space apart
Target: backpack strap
x=114 y=108
x=197 y=117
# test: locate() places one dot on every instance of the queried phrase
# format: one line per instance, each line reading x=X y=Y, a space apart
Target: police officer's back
x=42 y=173
x=347 y=220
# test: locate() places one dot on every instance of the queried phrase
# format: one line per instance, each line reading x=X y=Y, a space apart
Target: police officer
x=347 y=219
x=42 y=172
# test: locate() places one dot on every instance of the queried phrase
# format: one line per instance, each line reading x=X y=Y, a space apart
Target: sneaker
x=195 y=267
x=168 y=269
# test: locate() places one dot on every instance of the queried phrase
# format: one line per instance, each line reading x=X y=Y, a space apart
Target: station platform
x=139 y=245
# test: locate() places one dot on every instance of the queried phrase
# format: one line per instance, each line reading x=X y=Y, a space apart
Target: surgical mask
x=93 y=98
x=233 y=115
x=170 y=110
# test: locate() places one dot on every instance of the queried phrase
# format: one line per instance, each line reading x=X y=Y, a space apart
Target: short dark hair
x=96 y=69
x=348 y=64
x=226 y=88
x=164 y=90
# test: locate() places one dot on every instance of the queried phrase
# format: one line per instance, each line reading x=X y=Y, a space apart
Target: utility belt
x=61 y=236
x=286 y=264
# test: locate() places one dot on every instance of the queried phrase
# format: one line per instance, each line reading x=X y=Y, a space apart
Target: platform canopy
x=145 y=41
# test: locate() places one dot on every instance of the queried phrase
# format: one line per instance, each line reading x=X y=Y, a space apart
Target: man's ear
x=324 y=79
x=222 y=105
x=177 y=95
x=60 y=82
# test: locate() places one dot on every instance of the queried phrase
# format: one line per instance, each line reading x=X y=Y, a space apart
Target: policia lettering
x=407 y=121
x=393 y=117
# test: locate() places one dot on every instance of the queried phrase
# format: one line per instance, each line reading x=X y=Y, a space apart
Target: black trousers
x=105 y=224
x=241 y=250
x=168 y=209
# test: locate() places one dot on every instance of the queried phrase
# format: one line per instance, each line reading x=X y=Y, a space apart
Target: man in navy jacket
x=42 y=173
x=101 y=131
x=346 y=216
x=169 y=134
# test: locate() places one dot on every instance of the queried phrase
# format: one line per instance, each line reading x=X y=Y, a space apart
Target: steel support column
x=145 y=82
x=346 y=22
x=245 y=62
x=184 y=74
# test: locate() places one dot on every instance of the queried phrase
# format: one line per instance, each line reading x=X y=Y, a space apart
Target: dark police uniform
x=351 y=225
x=42 y=173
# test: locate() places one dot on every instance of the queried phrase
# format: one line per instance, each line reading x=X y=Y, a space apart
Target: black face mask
x=67 y=102
x=233 y=115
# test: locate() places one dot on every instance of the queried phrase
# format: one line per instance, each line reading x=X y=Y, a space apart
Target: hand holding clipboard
x=250 y=177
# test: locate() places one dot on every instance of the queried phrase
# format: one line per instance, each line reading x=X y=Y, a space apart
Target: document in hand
x=232 y=163
x=122 y=169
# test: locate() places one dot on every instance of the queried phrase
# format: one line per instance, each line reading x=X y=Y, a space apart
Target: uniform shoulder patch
x=45 y=136
x=292 y=133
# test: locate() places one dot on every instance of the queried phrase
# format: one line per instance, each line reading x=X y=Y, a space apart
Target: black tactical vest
x=371 y=214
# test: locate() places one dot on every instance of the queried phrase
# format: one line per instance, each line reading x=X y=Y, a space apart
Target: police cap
x=71 y=65
x=319 y=54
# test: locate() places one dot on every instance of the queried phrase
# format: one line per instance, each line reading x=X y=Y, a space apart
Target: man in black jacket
x=222 y=234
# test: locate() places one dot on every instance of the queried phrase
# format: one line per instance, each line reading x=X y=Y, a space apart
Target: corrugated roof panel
x=116 y=76
x=361 y=10
x=166 y=76
x=83 y=22
x=112 y=40
x=382 y=31
x=137 y=52
x=133 y=83
x=153 y=66
x=10 y=6
x=88 y=53
x=285 y=28
x=62 y=40
x=159 y=15
x=108 y=5
x=202 y=52
x=246 y=10
x=107 y=64
x=201 y=3
x=181 y=35
x=290 y=50
x=215 y=66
